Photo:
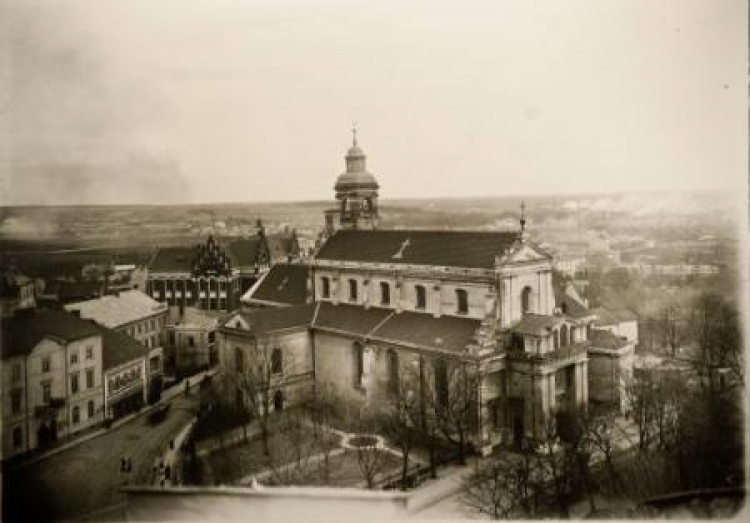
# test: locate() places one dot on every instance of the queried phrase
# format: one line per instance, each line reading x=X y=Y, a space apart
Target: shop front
x=125 y=389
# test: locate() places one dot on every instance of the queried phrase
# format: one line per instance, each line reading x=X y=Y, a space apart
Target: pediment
x=524 y=253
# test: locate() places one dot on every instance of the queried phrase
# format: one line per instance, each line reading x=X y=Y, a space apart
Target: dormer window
x=421 y=297
x=462 y=299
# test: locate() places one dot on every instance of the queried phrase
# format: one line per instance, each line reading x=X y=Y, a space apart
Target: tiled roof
x=119 y=348
x=445 y=333
x=606 y=340
x=410 y=328
x=536 y=324
x=273 y=319
x=21 y=333
x=284 y=283
x=173 y=259
x=441 y=248
x=352 y=319
x=116 y=310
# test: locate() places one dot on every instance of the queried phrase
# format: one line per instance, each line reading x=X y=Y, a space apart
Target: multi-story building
x=17 y=291
x=383 y=304
x=191 y=341
x=214 y=275
x=52 y=378
x=137 y=315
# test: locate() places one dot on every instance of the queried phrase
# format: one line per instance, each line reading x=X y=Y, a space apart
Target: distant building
x=214 y=275
x=191 y=340
x=17 y=291
x=134 y=314
x=51 y=378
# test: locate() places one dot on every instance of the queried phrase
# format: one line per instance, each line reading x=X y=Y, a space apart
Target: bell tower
x=356 y=192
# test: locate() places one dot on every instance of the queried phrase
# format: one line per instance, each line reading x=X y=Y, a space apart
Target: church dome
x=356 y=177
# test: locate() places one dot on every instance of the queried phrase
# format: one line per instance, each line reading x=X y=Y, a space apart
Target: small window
x=76 y=415
x=276 y=361
x=89 y=353
x=352 y=290
x=385 y=293
x=17 y=437
x=325 y=287
x=191 y=341
x=90 y=379
x=91 y=409
x=462 y=299
x=46 y=392
x=45 y=365
x=421 y=296
x=74 y=383
x=526 y=300
x=74 y=357
x=15 y=397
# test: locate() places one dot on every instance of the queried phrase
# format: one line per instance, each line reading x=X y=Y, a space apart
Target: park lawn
x=344 y=471
x=234 y=463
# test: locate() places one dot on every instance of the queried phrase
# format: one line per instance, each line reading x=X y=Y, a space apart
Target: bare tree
x=396 y=423
x=600 y=432
x=326 y=408
x=257 y=376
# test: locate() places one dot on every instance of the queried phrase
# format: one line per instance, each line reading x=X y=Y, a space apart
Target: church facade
x=381 y=305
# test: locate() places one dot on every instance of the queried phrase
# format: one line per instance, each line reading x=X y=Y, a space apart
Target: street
x=87 y=477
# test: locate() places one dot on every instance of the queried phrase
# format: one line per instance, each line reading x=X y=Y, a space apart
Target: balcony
x=556 y=356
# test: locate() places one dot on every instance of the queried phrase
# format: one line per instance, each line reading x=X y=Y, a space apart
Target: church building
x=380 y=305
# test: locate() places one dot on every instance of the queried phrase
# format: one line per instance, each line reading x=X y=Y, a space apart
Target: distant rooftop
x=117 y=310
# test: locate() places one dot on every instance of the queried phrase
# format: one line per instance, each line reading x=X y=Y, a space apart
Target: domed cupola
x=357 y=191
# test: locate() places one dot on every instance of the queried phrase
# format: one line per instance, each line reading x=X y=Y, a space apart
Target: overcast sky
x=176 y=101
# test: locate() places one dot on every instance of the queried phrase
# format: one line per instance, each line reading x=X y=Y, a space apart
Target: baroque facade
x=383 y=304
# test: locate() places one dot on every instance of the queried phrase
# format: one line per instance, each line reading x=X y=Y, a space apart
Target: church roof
x=274 y=319
x=446 y=333
x=283 y=283
x=466 y=249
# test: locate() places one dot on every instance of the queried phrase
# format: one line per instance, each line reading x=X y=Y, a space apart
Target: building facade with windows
x=52 y=378
x=191 y=341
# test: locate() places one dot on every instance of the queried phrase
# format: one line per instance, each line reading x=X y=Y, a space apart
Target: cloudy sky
x=177 y=101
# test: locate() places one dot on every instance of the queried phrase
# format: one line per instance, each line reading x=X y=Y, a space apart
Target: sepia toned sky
x=194 y=101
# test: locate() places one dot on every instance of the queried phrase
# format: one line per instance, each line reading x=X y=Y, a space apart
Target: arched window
x=352 y=290
x=385 y=293
x=276 y=363
x=76 y=415
x=421 y=296
x=278 y=401
x=526 y=300
x=564 y=340
x=91 y=409
x=325 y=287
x=392 y=371
x=462 y=298
x=359 y=365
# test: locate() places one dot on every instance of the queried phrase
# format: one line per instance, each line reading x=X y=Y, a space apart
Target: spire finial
x=354 y=133
x=523 y=216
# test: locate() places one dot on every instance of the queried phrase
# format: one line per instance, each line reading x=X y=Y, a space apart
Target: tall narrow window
x=359 y=365
x=421 y=296
x=74 y=383
x=325 y=287
x=385 y=293
x=564 y=340
x=526 y=300
x=91 y=409
x=239 y=359
x=46 y=392
x=556 y=339
x=76 y=415
x=276 y=363
x=393 y=371
x=462 y=298
x=352 y=290
x=89 y=378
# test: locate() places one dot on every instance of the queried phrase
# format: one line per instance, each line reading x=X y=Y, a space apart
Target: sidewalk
x=448 y=483
x=168 y=395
